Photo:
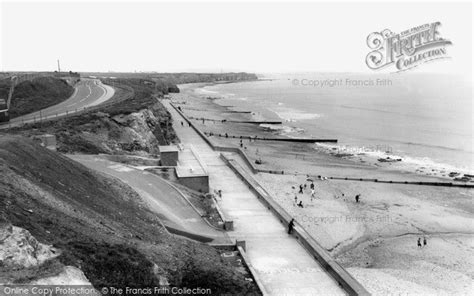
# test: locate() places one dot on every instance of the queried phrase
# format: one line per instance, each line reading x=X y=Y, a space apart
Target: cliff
x=78 y=218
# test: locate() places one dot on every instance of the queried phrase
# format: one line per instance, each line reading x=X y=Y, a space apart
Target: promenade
x=282 y=264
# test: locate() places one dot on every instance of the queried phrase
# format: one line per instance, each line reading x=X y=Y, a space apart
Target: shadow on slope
x=100 y=225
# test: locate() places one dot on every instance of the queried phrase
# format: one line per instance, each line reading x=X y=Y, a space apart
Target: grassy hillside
x=40 y=93
x=105 y=129
x=100 y=225
x=4 y=89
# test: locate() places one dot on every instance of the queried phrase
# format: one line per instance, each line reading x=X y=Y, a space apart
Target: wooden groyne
x=256 y=122
x=236 y=121
x=442 y=184
x=344 y=279
x=233 y=111
x=255 y=169
x=250 y=138
x=300 y=140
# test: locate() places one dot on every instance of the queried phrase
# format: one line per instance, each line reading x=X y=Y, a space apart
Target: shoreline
x=380 y=156
x=360 y=159
x=389 y=215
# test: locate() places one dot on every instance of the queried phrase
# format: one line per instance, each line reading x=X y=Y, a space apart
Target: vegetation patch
x=100 y=226
x=37 y=94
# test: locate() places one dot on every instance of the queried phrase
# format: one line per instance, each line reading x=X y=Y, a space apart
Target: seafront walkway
x=281 y=263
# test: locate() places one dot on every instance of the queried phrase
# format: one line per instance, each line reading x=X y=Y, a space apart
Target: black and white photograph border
x=236 y=148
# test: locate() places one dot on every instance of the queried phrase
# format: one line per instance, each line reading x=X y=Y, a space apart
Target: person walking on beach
x=296 y=200
x=424 y=241
x=357 y=198
x=312 y=194
x=301 y=189
x=182 y=123
x=291 y=225
x=419 y=242
x=300 y=204
x=311 y=186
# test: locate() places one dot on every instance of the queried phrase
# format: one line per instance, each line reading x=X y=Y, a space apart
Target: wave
x=293 y=115
x=375 y=152
x=283 y=129
x=424 y=145
x=203 y=90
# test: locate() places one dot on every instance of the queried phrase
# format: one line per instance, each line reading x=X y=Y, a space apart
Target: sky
x=212 y=37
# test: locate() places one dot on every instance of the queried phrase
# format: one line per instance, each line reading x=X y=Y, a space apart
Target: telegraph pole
x=59 y=68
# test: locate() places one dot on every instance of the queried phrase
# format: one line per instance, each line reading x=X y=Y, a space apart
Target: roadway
x=163 y=199
x=87 y=93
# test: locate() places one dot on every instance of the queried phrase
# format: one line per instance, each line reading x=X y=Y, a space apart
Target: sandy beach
x=376 y=239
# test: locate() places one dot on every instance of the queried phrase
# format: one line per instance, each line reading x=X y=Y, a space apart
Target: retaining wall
x=343 y=278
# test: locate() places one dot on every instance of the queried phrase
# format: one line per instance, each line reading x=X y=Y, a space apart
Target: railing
x=343 y=278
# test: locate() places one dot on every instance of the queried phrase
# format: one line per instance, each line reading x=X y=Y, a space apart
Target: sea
x=425 y=119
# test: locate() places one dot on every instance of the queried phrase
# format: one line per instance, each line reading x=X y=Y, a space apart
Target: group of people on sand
x=419 y=242
x=343 y=197
x=302 y=189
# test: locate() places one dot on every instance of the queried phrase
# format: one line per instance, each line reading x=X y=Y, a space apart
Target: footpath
x=279 y=260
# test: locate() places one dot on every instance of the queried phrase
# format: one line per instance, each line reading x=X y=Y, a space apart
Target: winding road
x=166 y=201
x=87 y=93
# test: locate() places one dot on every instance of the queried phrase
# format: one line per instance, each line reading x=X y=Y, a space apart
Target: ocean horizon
x=421 y=118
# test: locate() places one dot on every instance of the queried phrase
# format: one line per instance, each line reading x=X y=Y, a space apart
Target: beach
x=375 y=239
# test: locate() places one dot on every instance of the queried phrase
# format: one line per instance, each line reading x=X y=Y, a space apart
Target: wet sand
x=375 y=239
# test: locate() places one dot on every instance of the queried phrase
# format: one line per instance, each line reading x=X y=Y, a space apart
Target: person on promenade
x=424 y=241
x=301 y=189
x=182 y=123
x=291 y=225
x=311 y=186
x=312 y=194
x=357 y=198
x=300 y=204
x=419 y=242
x=296 y=200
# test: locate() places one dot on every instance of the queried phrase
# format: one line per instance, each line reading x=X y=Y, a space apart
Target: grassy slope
x=100 y=224
x=4 y=89
x=40 y=93
x=132 y=95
